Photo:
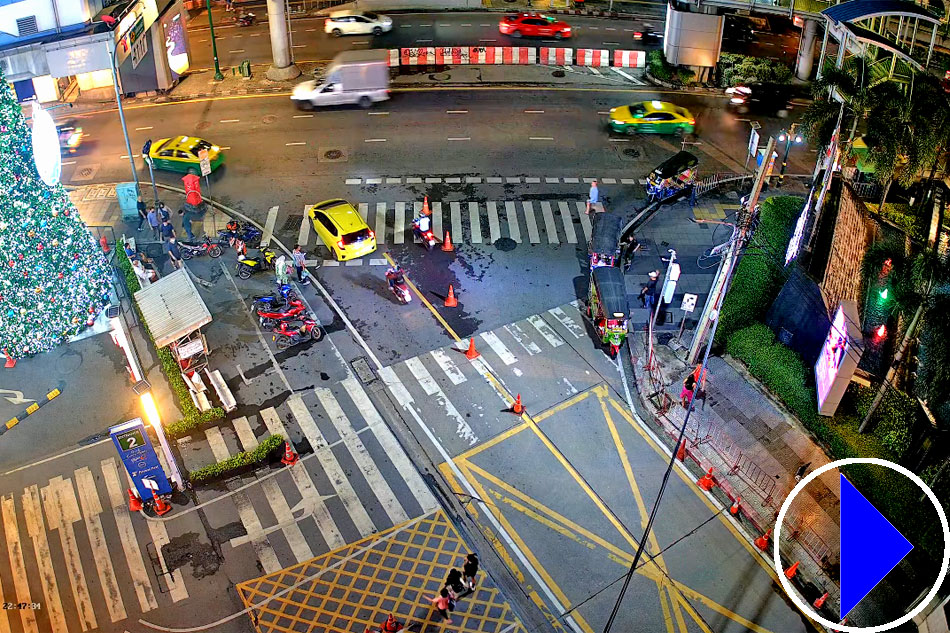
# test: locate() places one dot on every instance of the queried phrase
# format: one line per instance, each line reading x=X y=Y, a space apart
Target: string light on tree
x=52 y=272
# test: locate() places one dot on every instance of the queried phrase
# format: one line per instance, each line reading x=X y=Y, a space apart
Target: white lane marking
x=513 y=179
x=36 y=528
x=91 y=509
x=628 y=181
x=441 y=25
x=334 y=472
x=377 y=483
x=126 y=156
x=459 y=138
x=130 y=545
x=571 y=181
x=374 y=181
x=229 y=120
x=532 y=223
x=610 y=28
x=552 y=181
x=17 y=567
x=594 y=28
x=303 y=236
x=423 y=41
x=390 y=445
x=304 y=45
x=456 y=111
x=494 y=229
x=383 y=113
x=623 y=73
x=514 y=229
x=399 y=223
x=493 y=180
x=610 y=44
x=303 y=116
x=474 y=222
x=354 y=181
x=255 y=35
x=567 y=322
x=453 y=180
x=378 y=261
x=550 y=226
x=393 y=181
x=540 y=138
x=146 y=127
x=530 y=180
x=69 y=162
x=593 y=70
x=585 y=219
x=422 y=375
x=472 y=179
x=619 y=140
x=296 y=143
x=448 y=366
x=436 y=208
x=374 y=140
x=499 y=348
x=173 y=579
x=269 y=223
x=545 y=330
x=237 y=50
x=487 y=40
x=518 y=334
x=466 y=25
x=567 y=221
x=609 y=181
x=455 y=211
x=381 y=222
x=425 y=25
x=604 y=112
x=534 y=111
x=311 y=500
x=405 y=26
x=62 y=510
x=309 y=30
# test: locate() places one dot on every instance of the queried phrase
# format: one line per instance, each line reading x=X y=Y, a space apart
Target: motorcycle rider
x=395 y=275
x=421 y=225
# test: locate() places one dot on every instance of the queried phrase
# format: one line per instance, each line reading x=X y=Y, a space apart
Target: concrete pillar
x=806 y=51
x=283 y=68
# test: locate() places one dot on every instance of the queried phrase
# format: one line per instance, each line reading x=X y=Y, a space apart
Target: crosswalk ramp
x=473 y=222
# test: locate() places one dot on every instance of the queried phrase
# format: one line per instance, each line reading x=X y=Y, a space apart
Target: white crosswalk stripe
x=514 y=230
x=91 y=509
x=436 y=208
x=448 y=366
x=36 y=528
x=399 y=223
x=380 y=222
x=18 y=566
x=269 y=223
x=303 y=237
x=565 y=213
x=569 y=324
x=499 y=348
x=429 y=385
x=549 y=224
x=456 y=211
x=519 y=335
x=531 y=222
x=545 y=330
x=475 y=224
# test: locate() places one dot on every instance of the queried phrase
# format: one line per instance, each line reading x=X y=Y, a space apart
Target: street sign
x=138 y=455
x=689 y=303
x=204 y=162
x=753 y=141
x=669 y=283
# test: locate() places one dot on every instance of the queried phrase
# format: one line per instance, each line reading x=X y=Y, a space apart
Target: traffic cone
x=11 y=363
x=706 y=481
x=161 y=508
x=791 y=571
x=450 y=300
x=681 y=451
x=425 y=206
x=135 y=504
x=290 y=457
x=735 y=506
x=820 y=602
x=447 y=246
x=471 y=353
x=763 y=541
x=517 y=407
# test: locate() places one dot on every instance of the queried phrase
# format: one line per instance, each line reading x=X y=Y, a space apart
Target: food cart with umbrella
x=607 y=307
x=604 y=244
x=175 y=313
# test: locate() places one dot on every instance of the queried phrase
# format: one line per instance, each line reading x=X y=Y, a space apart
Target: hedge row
x=192 y=418
x=241 y=462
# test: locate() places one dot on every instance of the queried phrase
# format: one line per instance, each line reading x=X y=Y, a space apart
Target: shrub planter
x=266 y=452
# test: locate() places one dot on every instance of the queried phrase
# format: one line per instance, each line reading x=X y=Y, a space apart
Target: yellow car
x=342 y=229
x=180 y=153
x=654 y=117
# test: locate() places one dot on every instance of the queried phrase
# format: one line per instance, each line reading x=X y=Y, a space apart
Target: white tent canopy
x=172 y=308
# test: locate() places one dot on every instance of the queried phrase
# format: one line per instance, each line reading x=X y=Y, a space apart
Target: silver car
x=340 y=23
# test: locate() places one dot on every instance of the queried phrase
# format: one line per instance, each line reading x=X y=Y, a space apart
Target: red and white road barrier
x=393 y=57
x=592 y=57
x=449 y=55
x=416 y=56
x=455 y=55
x=519 y=55
x=557 y=56
x=630 y=59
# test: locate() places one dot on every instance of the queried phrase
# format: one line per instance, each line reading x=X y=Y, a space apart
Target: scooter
x=247 y=266
x=399 y=288
x=271 y=316
x=197 y=249
x=290 y=333
x=245 y=19
x=246 y=232
x=284 y=295
x=427 y=237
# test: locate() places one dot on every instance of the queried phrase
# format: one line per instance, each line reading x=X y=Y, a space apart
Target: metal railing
x=714 y=181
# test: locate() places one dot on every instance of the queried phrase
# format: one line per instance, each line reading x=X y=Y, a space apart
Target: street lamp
x=789 y=137
x=214 y=46
x=111 y=22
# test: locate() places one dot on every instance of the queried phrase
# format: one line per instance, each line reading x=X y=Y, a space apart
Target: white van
x=360 y=77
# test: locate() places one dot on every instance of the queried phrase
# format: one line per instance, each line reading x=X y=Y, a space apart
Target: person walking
x=651 y=291
x=186 y=224
x=168 y=231
x=174 y=253
x=229 y=5
x=300 y=259
x=593 y=197
x=163 y=212
x=453 y=582
x=444 y=603
x=154 y=223
x=686 y=393
x=143 y=212
x=801 y=471
x=701 y=377
x=470 y=570
x=628 y=247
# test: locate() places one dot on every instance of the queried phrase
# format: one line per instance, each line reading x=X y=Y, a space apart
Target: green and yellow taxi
x=342 y=229
x=652 y=117
x=180 y=153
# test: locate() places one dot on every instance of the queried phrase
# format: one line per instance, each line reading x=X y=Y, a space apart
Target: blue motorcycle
x=281 y=297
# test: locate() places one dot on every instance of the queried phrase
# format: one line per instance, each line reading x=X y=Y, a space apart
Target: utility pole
x=747 y=211
x=214 y=46
x=283 y=67
x=659 y=302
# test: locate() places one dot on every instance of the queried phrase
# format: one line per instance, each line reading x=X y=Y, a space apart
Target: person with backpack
x=453 y=582
x=470 y=570
x=444 y=603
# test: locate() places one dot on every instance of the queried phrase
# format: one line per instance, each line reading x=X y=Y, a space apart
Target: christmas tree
x=53 y=275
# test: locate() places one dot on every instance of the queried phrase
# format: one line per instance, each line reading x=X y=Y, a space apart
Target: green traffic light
x=884 y=294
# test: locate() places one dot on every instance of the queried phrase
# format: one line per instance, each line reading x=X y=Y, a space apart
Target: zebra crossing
x=549 y=222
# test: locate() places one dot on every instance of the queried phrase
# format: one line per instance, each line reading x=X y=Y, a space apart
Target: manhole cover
x=558 y=73
x=363 y=370
x=632 y=152
x=333 y=154
x=85 y=173
x=505 y=244
x=269 y=118
x=202 y=125
x=439 y=76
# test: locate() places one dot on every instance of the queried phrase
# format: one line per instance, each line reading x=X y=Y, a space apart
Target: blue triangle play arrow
x=870 y=547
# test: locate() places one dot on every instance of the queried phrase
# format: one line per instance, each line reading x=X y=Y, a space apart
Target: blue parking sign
x=137 y=453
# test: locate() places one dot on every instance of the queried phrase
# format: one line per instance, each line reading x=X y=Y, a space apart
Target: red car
x=533 y=25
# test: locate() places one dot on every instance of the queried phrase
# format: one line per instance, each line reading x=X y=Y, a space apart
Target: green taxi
x=180 y=153
x=652 y=117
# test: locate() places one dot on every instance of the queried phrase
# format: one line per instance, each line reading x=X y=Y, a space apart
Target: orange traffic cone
x=471 y=353
x=447 y=246
x=681 y=451
x=820 y=602
x=135 y=504
x=706 y=481
x=450 y=300
x=763 y=541
x=290 y=457
x=11 y=362
x=425 y=206
x=517 y=407
x=161 y=508
x=735 y=506
x=791 y=571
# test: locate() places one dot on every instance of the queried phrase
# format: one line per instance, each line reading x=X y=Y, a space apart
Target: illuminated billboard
x=839 y=357
x=176 y=48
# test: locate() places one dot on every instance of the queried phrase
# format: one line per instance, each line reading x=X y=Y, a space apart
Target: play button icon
x=870 y=546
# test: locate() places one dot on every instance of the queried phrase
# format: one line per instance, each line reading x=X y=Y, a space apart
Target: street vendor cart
x=672 y=176
x=175 y=313
x=607 y=307
x=604 y=244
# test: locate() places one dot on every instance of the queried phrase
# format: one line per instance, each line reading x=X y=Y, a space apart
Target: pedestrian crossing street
x=472 y=222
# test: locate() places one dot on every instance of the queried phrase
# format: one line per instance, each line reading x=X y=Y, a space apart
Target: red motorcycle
x=270 y=316
x=290 y=333
x=205 y=247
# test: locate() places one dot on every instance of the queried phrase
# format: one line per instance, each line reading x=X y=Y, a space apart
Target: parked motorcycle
x=290 y=333
x=197 y=249
x=245 y=19
x=277 y=299
x=245 y=231
x=270 y=316
x=247 y=266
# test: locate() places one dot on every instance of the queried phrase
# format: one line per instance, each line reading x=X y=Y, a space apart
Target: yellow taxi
x=653 y=117
x=342 y=229
x=180 y=153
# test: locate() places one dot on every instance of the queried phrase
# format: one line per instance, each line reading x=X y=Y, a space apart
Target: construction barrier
x=630 y=59
x=416 y=56
x=451 y=55
x=456 y=55
x=30 y=410
x=393 y=57
x=557 y=56
x=592 y=57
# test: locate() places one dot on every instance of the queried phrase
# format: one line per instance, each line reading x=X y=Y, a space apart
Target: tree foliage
x=736 y=69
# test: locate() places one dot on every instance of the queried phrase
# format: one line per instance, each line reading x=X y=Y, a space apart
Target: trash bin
x=127 y=196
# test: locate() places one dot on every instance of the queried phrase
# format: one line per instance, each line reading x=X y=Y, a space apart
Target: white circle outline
x=790 y=590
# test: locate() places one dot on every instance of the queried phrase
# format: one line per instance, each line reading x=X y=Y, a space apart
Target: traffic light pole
x=118 y=101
